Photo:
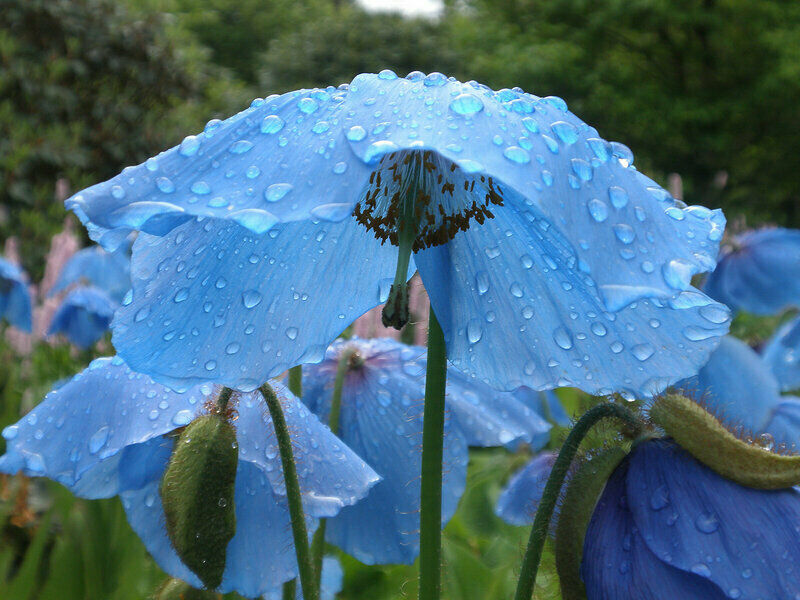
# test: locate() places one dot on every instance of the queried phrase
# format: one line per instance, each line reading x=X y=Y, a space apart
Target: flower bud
x=583 y=492
x=702 y=435
x=197 y=494
x=175 y=589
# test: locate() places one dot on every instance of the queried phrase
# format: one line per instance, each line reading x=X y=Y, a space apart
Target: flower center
x=421 y=195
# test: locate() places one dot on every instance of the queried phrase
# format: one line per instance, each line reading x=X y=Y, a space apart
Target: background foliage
x=709 y=89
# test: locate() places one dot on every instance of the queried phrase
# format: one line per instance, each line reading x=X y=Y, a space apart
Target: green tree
x=709 y=89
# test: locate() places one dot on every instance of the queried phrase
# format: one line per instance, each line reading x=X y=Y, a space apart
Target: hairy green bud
x=580 y=499
x=175 y=589
x=702 y=435
x=197 y=494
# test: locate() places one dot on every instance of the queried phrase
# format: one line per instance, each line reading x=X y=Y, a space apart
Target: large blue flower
x=104 y=433
x=527 y=228
x=15 y=298
x=667 y=526
x=84 y=316
x=758 y=272
x=520 y=498
x=381 y=420
x=741 y=390
x=108 y=271
x=782 y=354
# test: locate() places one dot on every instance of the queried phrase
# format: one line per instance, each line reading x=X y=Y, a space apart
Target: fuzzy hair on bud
x=197 y=493
x=703 y=435
x=175 y=589
x=583 y=491
x=395 y=311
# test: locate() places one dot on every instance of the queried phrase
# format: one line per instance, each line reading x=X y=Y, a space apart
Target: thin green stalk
x=318 y=544
x=296 y=380
x=223 y=399
x=552 y=489
x=296 y=387
x=430 y=555
x=308 y=581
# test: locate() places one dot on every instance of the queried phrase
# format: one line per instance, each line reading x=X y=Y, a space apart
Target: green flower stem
x=318 y=544
x=533 y=554
x=296 y=380
x=430 y=555
x=223 y=399
x=296 y=387
x=308 y=581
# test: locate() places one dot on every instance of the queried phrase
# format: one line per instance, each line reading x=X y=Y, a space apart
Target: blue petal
x=381 y=420
x=213 y=301
x=488 y=417
x=519 y=500
x=283 y=159
x=331 y=582
x=782 y=354
x=784 y=426
x=108 y=271
x=584 y=186
x=259 y=557
x=742 y=539
x=617 y=563
x=84 y=316
x=736 y=385
x=79 y=434
x=331 y=475
x=760 y=273
x=545 y=404
x=15 y=298
x=515 y=279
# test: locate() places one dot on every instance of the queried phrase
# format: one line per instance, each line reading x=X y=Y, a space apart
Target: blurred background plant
x=706 y=89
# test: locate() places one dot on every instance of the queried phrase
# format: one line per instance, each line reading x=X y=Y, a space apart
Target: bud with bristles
x=197 y=492
x=702 y=435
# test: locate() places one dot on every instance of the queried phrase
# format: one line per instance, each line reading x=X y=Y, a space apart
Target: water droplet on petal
x=251 y=298
x=563 y=338
x=271 y=124
x=474 y=330
x=598 y=209
x=624 y=233
x=276 y=191
x=189 y=146
x=566 y=132
x=618 y=196
x=240 y=147
x=376 y=150
x=517 y=155
x=201 y=188
x=643 y=351
x=387 y=75
x=466 y=105
x=165 y=185
x=99 y=439
x=292 y=332
x=182 y=417
x=255 y=219
x=307 y=105
x=356 y=133
x=332 y=212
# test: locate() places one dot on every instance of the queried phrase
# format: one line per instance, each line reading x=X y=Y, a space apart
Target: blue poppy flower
x=83 y=316
x=527 y=228
x=381 y=420
x=104 y=434
x=782 y=354
x=330 y=584
x=741 y=390
x=667 y=526
x=546 y=404
x=520 y=498
x=758 y=272
x=108 y=271
x=15 y=298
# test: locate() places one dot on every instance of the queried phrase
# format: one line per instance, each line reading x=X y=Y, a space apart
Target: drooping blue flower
x=105 y=434
x=529 y=232
x=667 y=526
x=84 y=316
x=520 y=498
x=15 y=297
x=758 y=272
x=108 y=271
x=381 y=420
x=330 y=583
x=782 y=354
x=741 y=390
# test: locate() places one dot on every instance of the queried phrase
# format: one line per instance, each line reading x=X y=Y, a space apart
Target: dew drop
x=563 y=338
x=618 y=196
x=99 y=439
x=466 y=105
x=474 y=330
x=598 y=209
x=251 y=298
x=271 y=124
x=566 y=132
x=292 y=332
x=276 y=191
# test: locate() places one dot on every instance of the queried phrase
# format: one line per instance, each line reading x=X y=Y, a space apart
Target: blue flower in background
x=758 y=272
x=381 y=420
x=529 y=231
x=15 y=298
x=330 y=583
x=104 y=434
x=108 y=271
x=84 y=316
x=520 y=498
x=545 y=404
x=741 y=390
x=782 y=354
x=666 y=526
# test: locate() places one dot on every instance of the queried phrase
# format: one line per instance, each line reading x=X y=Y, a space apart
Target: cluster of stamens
x=420 y=187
